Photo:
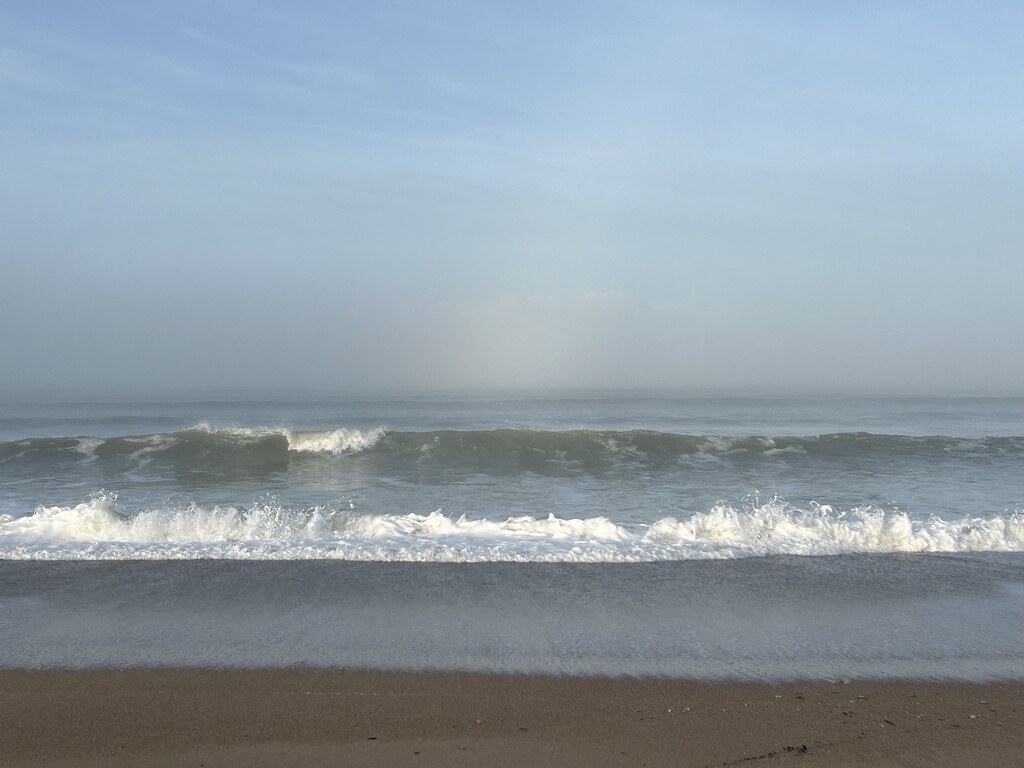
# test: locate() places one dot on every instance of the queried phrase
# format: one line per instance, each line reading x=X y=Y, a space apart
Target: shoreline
x=786 y=618
x=311 y=716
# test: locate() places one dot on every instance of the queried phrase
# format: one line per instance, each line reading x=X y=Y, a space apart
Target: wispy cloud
x=332 y=72
x=211 y=41
x=446 y=84
x=200 y=36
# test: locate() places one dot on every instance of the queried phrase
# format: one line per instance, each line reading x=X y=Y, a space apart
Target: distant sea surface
x=597 y=479
x=759 y=538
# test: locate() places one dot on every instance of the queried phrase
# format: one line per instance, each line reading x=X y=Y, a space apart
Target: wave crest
x=337 y=441
x=546 y=451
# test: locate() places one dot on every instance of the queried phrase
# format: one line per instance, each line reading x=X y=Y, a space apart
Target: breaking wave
x=336 y=442
x=97 y=530
x=201 y=442
x=209 y=446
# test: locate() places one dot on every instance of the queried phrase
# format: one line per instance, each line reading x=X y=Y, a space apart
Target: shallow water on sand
x=911 y=616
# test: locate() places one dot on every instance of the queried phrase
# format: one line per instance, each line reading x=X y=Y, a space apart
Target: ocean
x=753 y=538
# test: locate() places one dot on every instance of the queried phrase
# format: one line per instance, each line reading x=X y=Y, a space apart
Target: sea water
x=700 y=537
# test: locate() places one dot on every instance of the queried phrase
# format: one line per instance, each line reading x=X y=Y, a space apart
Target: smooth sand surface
x=305 y=717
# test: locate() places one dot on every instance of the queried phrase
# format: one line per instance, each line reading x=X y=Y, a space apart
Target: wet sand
x=308 y=717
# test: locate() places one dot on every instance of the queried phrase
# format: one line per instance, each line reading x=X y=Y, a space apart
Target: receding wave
x=527 y=448
x=97 y=530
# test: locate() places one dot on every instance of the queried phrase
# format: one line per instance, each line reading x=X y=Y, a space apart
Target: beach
x=620 y=582
x=816 y=661
x=546 y=385
x=303 y=717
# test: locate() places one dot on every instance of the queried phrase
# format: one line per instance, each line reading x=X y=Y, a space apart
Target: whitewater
x=605 y=480
x=95 y=530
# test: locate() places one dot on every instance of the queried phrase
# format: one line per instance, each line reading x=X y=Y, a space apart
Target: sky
x=442 y=196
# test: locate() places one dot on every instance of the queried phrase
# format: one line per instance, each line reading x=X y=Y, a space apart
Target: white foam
x=96 y=530
x=99 y=521
x=87 y=447
x=336 y=441
x=774 y=528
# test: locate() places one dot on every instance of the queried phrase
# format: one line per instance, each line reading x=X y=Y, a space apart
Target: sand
x=305 y=717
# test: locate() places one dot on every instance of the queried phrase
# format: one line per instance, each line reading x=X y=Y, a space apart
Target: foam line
x=97 y=530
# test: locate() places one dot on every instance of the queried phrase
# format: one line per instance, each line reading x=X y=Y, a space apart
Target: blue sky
x=438 y=196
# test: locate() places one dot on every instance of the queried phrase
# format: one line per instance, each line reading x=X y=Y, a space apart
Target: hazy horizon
x=694 y=197
x=153 y=394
